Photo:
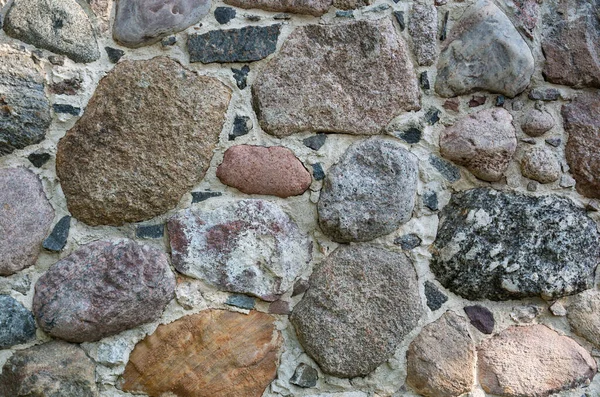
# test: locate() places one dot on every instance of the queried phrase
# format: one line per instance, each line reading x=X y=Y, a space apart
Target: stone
x=241 y=301
x=25 y=219
x=544 y=94
x=146 y=137
x=66 y=109
x=411 y=135
x=483 y=142
x=452 y=104
x=506 y=245
x=241 y=76
x=318 y=172
x=242 y=125
x=408 y=241
x=525 y=314
x=238 y=355
x=449 y=171
x=248 y=247
x=315 y=142
x=432 y=116
x=554 y=142
x=532 y=186
x=139 y=23
x=566 y=181
x=477 y=100
x=422 y=28
x=424 y=81
x=540 y=164
x=305 y=376
x=430 y=200
x=481 y=318
x=51 y=369
x=150 y=231
x=370 y=192
x=350 y=4
x=497 y=58
x=280 y=307
x=311 y=7
x=537 y=122
x=224 y=14
x=57 y=240
x=264 y=170
x=114 y=54
x=17 y=325
x=435 y=297
x=66 y=87
x=440 y=361
x=169 y=41
x=500 y=99
x=583 y=316
x=248 y=44
x=128 y=285
x=365 y=335
x=39 y=159
x=198 y=197
x=399 y=16
x=24 y=108
x=300 y=287
x=558 y=309
x=316 y=84
x=532 y=361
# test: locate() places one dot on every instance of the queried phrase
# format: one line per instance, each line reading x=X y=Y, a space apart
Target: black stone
x=555 y=142
x=224 y=14
x=500 y=99
x=318 y=172
x=411 y=135
x=315 y=142
x=481 y=318
x=114 y=54
x=202 y=196
x=432 y=116
x=66 y=109
x=241 y=301
x=444 y=28
x=305 y=376
x=408 y=241
x=446 y=168
x=544 y=94
x=435 y=297
x=400 y=18
x=38 y=159
x=150 y=231
x=424 y=81
x=240 y=76
x=17 y=324
x=240 y=127
x=57 y=240
x=430 y=200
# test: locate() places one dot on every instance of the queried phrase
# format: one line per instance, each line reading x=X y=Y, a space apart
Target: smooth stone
x=481 y=318
x=311 y=7
x=280 y=307
x=435 y=297
x=17 y=325
x=241 y=301
x=583 y=316
x=114 y=54
x=537 y=122
x=305 y=376
x=422 y=28
x=57 y=240
x=315 y=142
x=318 y=172
x=540 y=164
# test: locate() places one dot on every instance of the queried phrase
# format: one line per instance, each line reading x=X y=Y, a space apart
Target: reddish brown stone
x=312 y=7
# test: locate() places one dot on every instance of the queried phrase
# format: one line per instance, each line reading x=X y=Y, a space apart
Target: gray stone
x=311 y=7
x=114 y=54
x=540 y=164
x=241 y=301
x=430 y=200
x=435 y=297
x=57 y=240
x=370 y=192
x=423 y=30
x=544 y=94
x=39 y=159
x=584 y=316
x=16 y=323
x=537 y=122
x=315 y=142
x=449 y=171
x=150 y=231
x=242 y=125
x=198 y=197
x=305 y=376
x=408 y=241
x=224 y=14
x=503 y=245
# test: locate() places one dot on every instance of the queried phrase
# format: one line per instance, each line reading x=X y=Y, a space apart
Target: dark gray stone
x=57 y=240
x=544 y=94
x=241 y=126
x=241 y=301
x=114 y=54
x=435 y=297
x=168 y=41
x=203 y=196
x=16 y=323
x=305 y=376
x=318 y=172
x=432 y=116
x=66 y=109
x=315 y=142
x=430 y=200
x=554 y=142
x=481 y=318
x=446 y=168
x=399 y=15
x=424 y=81
x=408 y=241
x=38 y=159
x=224 y=14
x=411 y=135
x=300 y=287
x=240 y=76
x=150 y=231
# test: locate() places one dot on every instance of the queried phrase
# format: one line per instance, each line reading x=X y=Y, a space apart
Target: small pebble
x=241 y=301
x=567 y=181
x=38 y=159
x=481 y=318
x=315 y=142
x=558 y=309
x=202 y=196
x=168 y=41
x=532 y=186
x=399 y=15
x=477 y=101
x=224 y=14
x=424 y=81
x=114 y=54
x=150 y=231
x=318 y=172
x=435 y=298
x=57 y=240
x=408 y=241
x=432 y=116
x=241 y=126
x=555 y=142
x=305 y=376
x=593 y=205
x=240 y=76
x=300 y=287
x=500 y=99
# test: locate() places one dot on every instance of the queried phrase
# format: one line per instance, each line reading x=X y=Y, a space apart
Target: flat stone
x=537 y=122
x=241 y=301
x=311 y=7
x=249 y=247
x=422 y=28
x=554 y=142
x=544 y=94
x=317 y=81
x=365 y=335
x=150 y=231
x=583 y=316
x=66 y=109
x=57 y=240
x=114 y=54
x=51 y=369
x=504 y=245
x=146 y=137
x=25 y=219
x=139 y=23
x=242 y=125
x=315 y=142
x=280 y=307
x=483 y=142
x=496 y=59
x=198 y=197
x=128 y=285
x=264 y=170
x=408 y=241
x=540 y=164
x=532 y=361
x=435 y=297
x=305 y=376
x=62 y=27
x=440 y=361
x=481 y=318
x=16 y=323
x=224 y=15
x=449 y=171
x=410 y=135
x=238 y=355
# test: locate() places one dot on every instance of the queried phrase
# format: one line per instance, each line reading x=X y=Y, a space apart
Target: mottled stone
x=318 y=172
x=544 y=94
x=305 y=376
x=481 y=318
x=370 y=192
x=311 y=7
x=238 y=356
x=422 y=28
x=57 y=240
x=250 y=247
x=537 y=122
x=66 y=109
x=504 y=245
x=540 y=164
x=532 y=361
x=128 y=285
x=449 y=171
x=365 y=335
x=67 y=87
x=525 y=314
x=525 y=12
x=411 y=135
x=241 y=76
x=114 y=54
x=432 y=116
x=150 y=231
x=435 y=297
x=477 y=100
x=483 y=142
x=224 y=14
x=350 y=4
x=300 y=287
x=317 y=82
x=280 y=307
x=430 y=200
x=146 y=137
x=584 y=316
x=16 y=323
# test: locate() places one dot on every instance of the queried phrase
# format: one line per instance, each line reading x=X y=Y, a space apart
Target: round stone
x=541 y=165
x=537 y=122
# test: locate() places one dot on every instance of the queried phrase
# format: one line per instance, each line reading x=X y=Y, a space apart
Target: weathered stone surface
x=128 y=285
x=25 y=219
x=311 y=7
x=52 y=369
x=423 y=30
x=16 y=323
x=343 y=335
x=584 y=316
x=496 y=59
x=250 y=247
x=537 y=122
x=146 y=137
x=57 y=240
x=449 y=171
x=141 y=22
x=501 y=245
x=350 y=4
x=370 y=192
x=317 y=82
x=484 y=143
x=238 y=356
x=481 y=318
x=58 y=26
x=264 y=170
x=540 y=164
x=532 y=361
x=441 y=359
x=435 y=297
x=305 y=376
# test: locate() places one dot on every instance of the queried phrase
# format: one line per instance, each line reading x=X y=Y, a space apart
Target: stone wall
x=326 y=198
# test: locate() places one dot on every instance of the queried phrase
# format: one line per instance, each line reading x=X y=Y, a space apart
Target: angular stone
x=39 y=159
x=440 y=361
x=305 y=376
x=537 y=122
x=540 y=164
x=51 y=369
x=503 y=245
x=61 y=26
x=198 y=197
x=408 y=241
x=25 y=219
x=435 y=297
x=311 y=7
x=238 y=356
x=481 y=318
x=241 y=301
x=496 y=59
x=264 y=170
x=241 y=126
x=350 y=4
x=318 y=81
x=448 y=170
x=532 y=361
x=150 y=231
x=146 y=137
x=16 y=323
x=584 y=316
x=57 y=240
x=346 y=337
x=483 y=142
x=250 y=247
x=370 y=192
x=128 y=285
x=315 y=142
x=423 y=30
x=114 y=54
x=140 y=22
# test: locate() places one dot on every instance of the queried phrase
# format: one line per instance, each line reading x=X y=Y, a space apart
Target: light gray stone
x=540 y=164
x=537 y=122
x=423 y=30
x=584 y=316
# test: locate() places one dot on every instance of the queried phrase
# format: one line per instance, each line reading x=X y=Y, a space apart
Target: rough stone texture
x=423 y=30
x=311 y=7
x=483 y=142
x=25 y=219
x=224 y=15
x=317 y=81
x=57 y=240
x=60 y=26
x=142 y=22
x=540 y=164
x=500 y=245
x=16 y=323
x=146 y=137
x=361 y=303
x=102 y=10
x=481 y=318
x=449 y=171
x=537 y=122
x=532 y=361
x=237 y=356
x=441 y=359
x=24 y=109
x=583 y=316
x=250 y=247
x=496 y=59
x=129 y=284
x=370 y=192
x=305 y=376
x=52 y=369
x=350 y=4
x=435 y=297
x=264 y=170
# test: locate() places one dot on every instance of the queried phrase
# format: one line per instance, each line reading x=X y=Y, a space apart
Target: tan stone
x=584 y=316
x=312 y=7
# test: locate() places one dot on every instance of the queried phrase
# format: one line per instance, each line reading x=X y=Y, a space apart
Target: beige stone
x=584 y=316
